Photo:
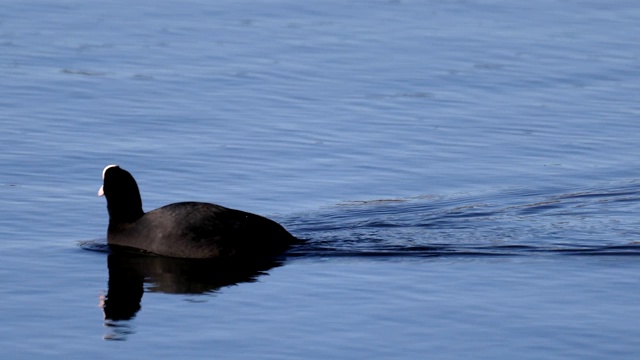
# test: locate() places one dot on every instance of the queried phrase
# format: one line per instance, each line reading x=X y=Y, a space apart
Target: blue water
x=465 y=173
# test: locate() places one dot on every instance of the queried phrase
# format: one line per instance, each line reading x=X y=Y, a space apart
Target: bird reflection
x=130 y=274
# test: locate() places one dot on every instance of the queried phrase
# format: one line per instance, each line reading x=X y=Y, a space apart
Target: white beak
x=101 y=191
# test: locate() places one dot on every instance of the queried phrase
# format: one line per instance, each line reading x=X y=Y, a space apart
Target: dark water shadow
x=469 y=251
x=133 y=274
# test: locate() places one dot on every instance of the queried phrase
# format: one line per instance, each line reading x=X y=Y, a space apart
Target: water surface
x=464 y=173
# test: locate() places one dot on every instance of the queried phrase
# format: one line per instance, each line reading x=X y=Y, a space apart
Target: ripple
x=507 y=223
x=97 y=245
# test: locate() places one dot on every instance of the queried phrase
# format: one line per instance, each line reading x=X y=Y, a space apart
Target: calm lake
x=465 y=174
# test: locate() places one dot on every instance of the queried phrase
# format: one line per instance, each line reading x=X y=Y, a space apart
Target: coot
x=186 y=229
